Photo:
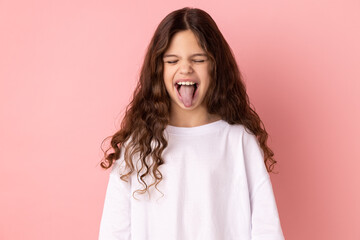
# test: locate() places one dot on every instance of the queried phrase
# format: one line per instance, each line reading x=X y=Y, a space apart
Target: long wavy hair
x=147 y=115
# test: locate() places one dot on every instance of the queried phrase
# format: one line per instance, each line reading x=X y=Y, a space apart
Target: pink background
x=68 y=69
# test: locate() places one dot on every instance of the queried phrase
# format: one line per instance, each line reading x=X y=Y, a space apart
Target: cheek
x=167 y=79
x=204 y=73
x=165 y=74
x=168 y=74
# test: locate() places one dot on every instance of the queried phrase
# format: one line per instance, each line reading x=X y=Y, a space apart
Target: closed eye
x=197 y=61
x=172 y=61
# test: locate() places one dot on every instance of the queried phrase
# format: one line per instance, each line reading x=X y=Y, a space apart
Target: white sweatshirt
x=215 y=187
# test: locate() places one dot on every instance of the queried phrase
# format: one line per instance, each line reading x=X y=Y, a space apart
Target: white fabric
x=215 y=187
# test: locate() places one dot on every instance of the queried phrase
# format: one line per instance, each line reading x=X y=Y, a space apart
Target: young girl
x=191 y=141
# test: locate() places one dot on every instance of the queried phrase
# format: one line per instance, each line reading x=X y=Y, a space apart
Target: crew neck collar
x=205 y=128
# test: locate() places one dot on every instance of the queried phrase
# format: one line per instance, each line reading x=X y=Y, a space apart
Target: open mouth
x=179 y=86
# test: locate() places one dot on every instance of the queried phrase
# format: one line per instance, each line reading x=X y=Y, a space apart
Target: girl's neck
x=192 y=119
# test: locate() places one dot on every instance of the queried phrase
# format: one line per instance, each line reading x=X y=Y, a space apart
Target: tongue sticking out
x=187 y=93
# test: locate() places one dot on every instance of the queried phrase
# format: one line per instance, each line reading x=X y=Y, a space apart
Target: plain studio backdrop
x=68 y=69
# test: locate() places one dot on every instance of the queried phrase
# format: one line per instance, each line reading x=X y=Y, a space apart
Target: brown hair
x=147 y=115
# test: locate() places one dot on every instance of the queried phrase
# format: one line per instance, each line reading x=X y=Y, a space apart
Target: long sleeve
x=265 y=219
x=115 y=221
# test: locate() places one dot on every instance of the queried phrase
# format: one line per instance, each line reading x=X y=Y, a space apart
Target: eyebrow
x=193 y=55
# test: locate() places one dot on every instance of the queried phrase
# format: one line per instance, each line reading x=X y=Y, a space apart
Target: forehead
x=184 y=42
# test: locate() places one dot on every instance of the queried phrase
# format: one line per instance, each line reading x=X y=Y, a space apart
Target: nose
x=185 y=68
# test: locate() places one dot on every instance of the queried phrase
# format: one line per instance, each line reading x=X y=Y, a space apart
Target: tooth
x=186 y=83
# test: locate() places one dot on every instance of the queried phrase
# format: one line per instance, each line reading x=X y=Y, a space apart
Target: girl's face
x=186 y=62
